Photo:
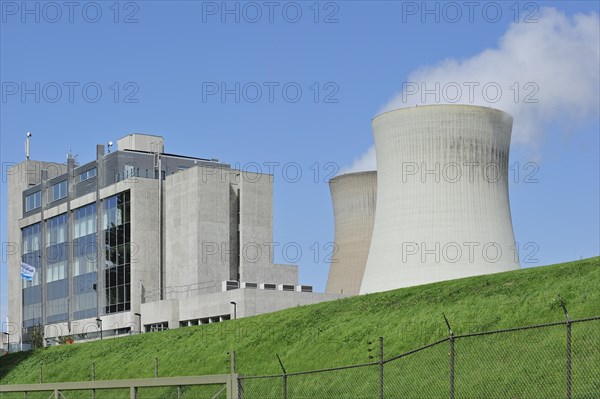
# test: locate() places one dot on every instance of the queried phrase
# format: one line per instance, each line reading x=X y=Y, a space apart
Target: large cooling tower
x=354 y=196
x=442 y=196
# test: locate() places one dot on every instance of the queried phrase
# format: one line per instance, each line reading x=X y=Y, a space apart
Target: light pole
x=99 y=323
x=7 y=341
x=234 y=309
x=140 y=316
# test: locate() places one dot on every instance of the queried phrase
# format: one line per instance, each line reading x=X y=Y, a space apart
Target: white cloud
x=555 y=61
x=366 y=162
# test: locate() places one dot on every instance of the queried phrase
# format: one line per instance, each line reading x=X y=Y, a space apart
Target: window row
x=33 y=201
x=31 y=238
x=120 y=275
x=118 y=295
x=56 y=271
x=32 y=313
x=116 y=256
x=85 y=301
x=116 y=213
x=84 y=221
x=117 y=235
x=56 y=230
x=85 y=283
x=58 y=191
x=83 y=265
x=116 y=210
x=57 y=310
x=88 y=174
x=55 y=192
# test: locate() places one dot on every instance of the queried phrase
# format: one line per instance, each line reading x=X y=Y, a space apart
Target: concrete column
x=100 y=179
x=70 y=219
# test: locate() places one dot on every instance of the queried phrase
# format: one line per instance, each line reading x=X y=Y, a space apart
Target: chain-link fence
x=552 y=360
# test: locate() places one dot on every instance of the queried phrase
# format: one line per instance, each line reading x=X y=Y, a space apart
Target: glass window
x=33 y=201
x=32 y=292
x=57 y=248
x=32 y=252
x=85 y=258
x=88 y=174
x=58 y=191
x=84 y=221
x=117 y=240
x=56 y=230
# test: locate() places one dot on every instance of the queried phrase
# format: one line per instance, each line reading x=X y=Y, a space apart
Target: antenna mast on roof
x=27 y=145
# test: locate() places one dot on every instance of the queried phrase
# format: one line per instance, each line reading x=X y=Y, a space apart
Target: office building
x=140 y=240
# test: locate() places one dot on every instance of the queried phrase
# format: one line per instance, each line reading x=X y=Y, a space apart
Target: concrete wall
x=197 y=229
x=250 y=302
x=442 y=196
x=256 y=223
x=353 y=196
x=256 y=232
x=91 y=326
x=141 y=142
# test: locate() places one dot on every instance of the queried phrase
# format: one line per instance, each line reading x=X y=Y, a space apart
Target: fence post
x=232 y=359
x=240 y=387
x=569 y=386
x=236 y=390
x=94 y=379
x=41 y=373
x=451 y=357
x=380 y=367
x=156 y=367
x=284 y=375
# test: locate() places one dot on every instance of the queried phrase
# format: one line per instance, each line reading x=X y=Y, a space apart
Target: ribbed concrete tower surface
x=442 y=202
x=354 y=196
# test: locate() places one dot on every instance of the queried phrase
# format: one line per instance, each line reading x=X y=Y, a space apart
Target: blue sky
x=349 y=60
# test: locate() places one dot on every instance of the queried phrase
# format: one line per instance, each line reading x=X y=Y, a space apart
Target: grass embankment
x=336 y=333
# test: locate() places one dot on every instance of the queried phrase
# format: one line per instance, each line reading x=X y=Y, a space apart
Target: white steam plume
x=555 y=61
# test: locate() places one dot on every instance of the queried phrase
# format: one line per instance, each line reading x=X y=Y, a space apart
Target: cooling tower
x=442 y=196
x=353 y=196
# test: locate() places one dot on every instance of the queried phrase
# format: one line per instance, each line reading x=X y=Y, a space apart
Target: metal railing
x=225 y=386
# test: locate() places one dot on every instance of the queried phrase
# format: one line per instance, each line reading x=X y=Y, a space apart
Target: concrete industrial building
x=140 y=239
x=442 y=196
x=353 y=196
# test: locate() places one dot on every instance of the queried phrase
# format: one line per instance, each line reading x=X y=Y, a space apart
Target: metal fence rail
x=61 y=390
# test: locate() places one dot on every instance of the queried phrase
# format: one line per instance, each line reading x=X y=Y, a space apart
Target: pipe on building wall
x=160 y=228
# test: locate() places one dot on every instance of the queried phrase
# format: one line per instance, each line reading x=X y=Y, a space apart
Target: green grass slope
x=336 y=333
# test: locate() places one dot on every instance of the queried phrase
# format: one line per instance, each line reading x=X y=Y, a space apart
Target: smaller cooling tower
x=354 y=197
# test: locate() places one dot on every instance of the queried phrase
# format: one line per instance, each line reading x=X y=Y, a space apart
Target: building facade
x=139 y=240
